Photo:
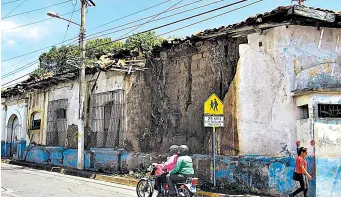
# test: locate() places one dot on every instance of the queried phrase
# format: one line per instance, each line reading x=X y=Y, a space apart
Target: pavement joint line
x=132 y=182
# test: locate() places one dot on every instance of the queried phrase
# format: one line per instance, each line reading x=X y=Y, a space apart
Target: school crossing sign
x=213 y=112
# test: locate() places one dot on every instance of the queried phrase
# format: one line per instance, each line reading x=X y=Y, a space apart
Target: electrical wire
x=19 y=69
x=174 y=22
x=67 y=28
x=191 y=23
x=28 y=24
x=91 y=35
x=129 y=15
x=14 y=9
x=14 y=80
x=8 y=2
x=35 y=10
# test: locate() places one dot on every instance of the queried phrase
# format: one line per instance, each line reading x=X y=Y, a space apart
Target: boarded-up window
x=35 y=121
x=106 y=120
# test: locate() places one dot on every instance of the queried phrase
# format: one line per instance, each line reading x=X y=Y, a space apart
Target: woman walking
x=301 y=174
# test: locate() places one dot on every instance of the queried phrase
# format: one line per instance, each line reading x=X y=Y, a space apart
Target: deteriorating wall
x=181 y=80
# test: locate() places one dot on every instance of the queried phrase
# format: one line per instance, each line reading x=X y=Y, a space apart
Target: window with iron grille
x=106 y=120
x=35 y=121
x=329 y=110
x=57 y=123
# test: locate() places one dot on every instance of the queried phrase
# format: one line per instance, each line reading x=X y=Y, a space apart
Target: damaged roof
x=128 y=61
x=282 y=15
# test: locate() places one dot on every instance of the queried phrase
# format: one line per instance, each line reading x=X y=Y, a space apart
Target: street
x=17 y=181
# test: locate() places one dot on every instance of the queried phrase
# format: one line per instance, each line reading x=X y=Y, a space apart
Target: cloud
x=11 y=43
x=22 y=33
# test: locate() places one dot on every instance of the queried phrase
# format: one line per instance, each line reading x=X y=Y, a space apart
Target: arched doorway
x=13 y=134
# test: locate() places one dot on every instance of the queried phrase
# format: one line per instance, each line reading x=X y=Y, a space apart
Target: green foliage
x=147 y=41
x=58 y=59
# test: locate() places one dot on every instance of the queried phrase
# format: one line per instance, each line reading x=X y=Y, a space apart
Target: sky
x=22 y=40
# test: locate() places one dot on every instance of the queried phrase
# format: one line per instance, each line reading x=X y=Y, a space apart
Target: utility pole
x=82 y=82
x=82 y=90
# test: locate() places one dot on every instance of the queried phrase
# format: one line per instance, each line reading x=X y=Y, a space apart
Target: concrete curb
x=101 y=177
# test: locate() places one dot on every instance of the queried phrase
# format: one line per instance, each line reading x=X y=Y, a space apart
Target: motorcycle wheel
x=188 y=193
x=144 y=189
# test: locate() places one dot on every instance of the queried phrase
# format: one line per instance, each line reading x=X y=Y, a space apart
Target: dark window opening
x=260 y=44
x=35 y=121
x=304 y=112
x=61 y=113
x=107 y=115
x=329 y=110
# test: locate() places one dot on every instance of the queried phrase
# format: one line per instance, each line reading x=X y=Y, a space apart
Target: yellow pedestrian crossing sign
x=213 y=106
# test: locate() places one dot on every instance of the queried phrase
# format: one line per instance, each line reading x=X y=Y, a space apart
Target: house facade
x=278 y=74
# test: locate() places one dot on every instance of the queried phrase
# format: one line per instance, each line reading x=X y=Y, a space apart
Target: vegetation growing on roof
x=65 y=58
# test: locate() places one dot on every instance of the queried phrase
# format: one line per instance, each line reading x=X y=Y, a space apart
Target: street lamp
x=82 y=84
x=56 y=15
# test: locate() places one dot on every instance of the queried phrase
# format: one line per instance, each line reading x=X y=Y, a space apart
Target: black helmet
x=184 y=150
x=174 y=149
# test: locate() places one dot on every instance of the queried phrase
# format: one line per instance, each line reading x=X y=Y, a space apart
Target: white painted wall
x=266 y=76
x=70 y=92
x=20 y=110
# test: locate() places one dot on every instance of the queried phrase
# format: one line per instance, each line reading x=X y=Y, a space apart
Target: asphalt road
x=17 y=181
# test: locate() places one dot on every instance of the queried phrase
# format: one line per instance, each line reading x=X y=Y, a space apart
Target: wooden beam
x=313 y=13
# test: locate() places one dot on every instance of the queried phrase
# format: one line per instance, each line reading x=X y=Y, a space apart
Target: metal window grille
x=329 y=110
x=57 y=123
x=106 y=120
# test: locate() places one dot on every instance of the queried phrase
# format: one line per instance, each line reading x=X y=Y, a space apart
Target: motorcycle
x=145 y=186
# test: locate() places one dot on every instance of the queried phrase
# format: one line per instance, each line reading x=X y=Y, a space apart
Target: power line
x=15 y=8
x=35 y=51
x=191 y=23
x=36 y=22
x=19 y=69
x=150 y=21
x=130 y=15
x=8 y=2
x=152 y=18
x=67 y=28
x=211 y=17
x=174 y=22
x=67 y=39
x=35 y=9
x=15 y=80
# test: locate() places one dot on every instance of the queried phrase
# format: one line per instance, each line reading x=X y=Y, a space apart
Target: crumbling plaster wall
x=181 y=80
x=271 y=66
x=36 y=104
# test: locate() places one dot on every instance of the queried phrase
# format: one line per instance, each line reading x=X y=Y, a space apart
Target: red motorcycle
x=145 y=186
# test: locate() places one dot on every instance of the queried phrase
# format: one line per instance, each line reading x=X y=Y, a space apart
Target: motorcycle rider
x=167 y=166
x=182 y=171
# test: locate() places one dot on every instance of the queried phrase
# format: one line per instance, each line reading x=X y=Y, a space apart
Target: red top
x=299 y=162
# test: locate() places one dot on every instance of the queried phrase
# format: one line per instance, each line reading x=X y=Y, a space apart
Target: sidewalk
x=123 y=180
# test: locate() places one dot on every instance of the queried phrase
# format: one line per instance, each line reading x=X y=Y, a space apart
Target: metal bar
x=214 y=157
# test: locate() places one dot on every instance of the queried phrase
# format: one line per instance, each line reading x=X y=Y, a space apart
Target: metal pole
x=82 y=90
x=214 y=157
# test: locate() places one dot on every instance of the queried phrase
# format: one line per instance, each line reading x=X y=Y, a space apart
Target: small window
x=107 y=115
x=329 y=110
x=304 y=112
x=36 y=120
x=61 y=113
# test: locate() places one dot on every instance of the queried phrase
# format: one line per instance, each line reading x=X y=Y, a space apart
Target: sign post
x=214 y=117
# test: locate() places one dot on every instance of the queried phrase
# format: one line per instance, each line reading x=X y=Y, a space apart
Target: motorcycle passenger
x=167 y=166
x=182 y=171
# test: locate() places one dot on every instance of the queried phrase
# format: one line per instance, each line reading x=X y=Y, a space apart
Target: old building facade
x=279 y=75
